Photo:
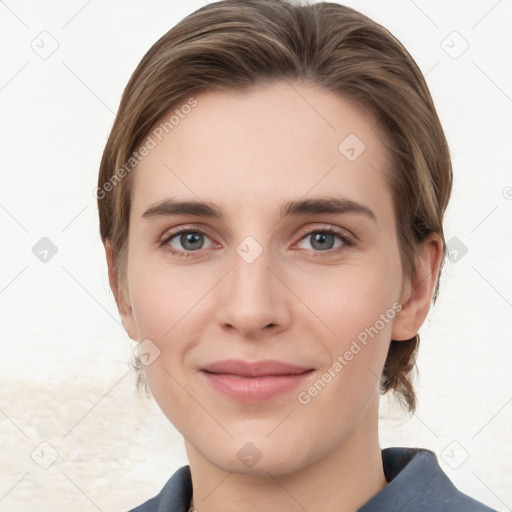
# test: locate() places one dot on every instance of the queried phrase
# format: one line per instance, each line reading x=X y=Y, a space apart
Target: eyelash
x=347 y=240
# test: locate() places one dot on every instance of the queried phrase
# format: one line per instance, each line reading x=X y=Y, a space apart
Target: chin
x=260 y=457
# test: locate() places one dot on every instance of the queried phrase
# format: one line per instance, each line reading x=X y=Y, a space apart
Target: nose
x=252 y=299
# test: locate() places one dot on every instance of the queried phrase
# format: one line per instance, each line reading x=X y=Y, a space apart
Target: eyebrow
x=320 y=205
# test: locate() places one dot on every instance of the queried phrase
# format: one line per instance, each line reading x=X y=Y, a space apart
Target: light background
x=64 y=373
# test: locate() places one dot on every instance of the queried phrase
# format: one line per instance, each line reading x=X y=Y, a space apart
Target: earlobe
x=417 y=295
x=123 y=306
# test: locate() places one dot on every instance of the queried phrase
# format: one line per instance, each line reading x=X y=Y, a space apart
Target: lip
x=268 y=367
x=254 y=381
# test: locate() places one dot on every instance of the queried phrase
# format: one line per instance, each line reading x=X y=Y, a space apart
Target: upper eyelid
x=173 y=232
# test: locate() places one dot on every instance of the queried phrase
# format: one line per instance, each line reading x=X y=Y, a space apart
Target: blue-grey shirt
x=416 y=483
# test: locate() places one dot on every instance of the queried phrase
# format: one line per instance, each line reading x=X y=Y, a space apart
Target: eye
x=185 y=241
x=327 y=240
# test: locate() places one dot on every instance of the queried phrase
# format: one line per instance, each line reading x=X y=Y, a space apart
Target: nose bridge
x=252 y=297
x=251 y=278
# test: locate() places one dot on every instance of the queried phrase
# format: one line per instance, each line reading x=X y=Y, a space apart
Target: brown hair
x=233 y=45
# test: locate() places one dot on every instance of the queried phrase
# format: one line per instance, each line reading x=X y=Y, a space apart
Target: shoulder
x=175 y=495
x=416 y=483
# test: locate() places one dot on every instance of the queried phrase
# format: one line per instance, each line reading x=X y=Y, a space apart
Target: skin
x=249 y=153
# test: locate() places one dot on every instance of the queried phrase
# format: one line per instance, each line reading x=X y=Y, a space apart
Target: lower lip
x=254 y=389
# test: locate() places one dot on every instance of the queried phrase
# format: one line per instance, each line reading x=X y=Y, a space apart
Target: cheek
x=356 y=305
x=165 y=304
x=359 y=307
x=163 y=297
x=352 y=297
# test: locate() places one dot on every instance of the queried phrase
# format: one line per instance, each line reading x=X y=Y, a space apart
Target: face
x=265 y=271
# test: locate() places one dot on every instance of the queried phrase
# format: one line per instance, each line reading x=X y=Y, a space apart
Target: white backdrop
x=65 y=379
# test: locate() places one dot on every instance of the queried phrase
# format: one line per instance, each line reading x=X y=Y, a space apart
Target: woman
x=271 y=201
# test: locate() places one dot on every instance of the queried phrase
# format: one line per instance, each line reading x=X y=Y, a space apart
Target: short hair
x=235 y=45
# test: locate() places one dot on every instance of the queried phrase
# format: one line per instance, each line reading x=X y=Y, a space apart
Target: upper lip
x=255 y=369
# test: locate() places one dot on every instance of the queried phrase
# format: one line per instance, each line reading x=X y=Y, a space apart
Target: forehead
x=276 y=142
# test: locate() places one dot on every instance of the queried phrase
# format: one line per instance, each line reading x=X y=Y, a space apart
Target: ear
x=123 y=306
x=418 y=291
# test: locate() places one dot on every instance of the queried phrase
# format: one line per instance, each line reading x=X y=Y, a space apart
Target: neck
x=342 y=481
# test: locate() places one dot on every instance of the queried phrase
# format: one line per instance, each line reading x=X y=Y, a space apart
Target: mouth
x=254 y=382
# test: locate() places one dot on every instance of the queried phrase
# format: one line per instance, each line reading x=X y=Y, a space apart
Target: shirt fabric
x=416 y=483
